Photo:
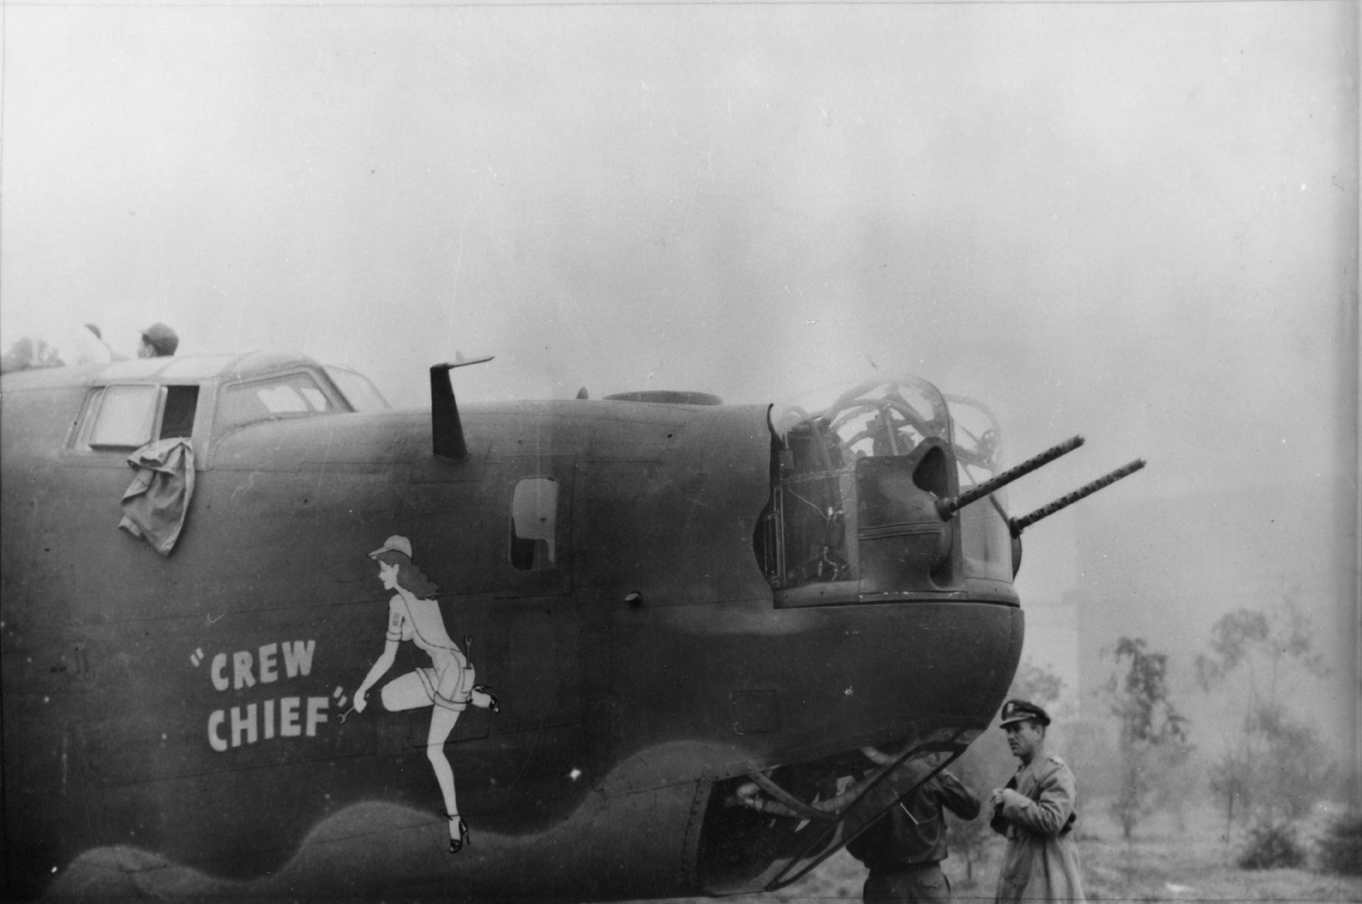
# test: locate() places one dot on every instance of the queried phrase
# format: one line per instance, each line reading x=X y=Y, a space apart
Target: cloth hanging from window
x=157 y=500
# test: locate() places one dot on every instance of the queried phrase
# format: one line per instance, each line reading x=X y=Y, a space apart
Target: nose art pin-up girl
x=446 y=685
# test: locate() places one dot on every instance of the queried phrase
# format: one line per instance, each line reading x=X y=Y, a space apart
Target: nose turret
x=857 y=492
x=892 y=636
x=886 y=522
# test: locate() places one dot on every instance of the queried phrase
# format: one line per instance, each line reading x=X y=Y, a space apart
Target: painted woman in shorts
x=446 y=685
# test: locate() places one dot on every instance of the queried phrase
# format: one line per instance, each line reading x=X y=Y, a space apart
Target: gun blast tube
x=1020 y=524
x=948 y=507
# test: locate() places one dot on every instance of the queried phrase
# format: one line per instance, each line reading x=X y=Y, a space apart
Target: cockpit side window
x=128 y=416
x=124 y=417
x=358 y=391
x=178 y=418
x=289 y=395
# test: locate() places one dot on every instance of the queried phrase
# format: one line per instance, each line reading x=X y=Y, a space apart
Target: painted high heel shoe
x=494 y=706
x=456 y=844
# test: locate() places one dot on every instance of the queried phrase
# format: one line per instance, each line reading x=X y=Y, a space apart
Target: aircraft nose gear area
x=764 y=831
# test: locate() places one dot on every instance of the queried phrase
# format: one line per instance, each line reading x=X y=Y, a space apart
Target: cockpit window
x=178 y=418
x=358 y=391
x=290 y=395
x=125 y=417
x=130 y=415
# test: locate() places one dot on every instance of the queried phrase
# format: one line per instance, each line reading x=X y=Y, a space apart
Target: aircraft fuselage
x=604 y=567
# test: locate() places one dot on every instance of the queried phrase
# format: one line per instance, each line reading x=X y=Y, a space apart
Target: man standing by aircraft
x=905 y=847
x=1036 y=814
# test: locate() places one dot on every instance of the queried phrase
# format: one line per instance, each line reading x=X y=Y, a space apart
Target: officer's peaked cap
x=1020 y=711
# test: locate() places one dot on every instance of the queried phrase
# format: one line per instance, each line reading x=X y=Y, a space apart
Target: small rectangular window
x=534 y=518
x=125 y=418
x=178 y=419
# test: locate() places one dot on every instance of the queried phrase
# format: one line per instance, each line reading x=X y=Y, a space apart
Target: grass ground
x=1163 y=862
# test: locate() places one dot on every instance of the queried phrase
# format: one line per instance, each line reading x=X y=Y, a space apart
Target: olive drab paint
x=641 y=646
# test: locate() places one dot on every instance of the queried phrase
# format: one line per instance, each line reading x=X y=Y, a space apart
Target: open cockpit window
x=129 y=416
x=288 y=395
x=177 y=419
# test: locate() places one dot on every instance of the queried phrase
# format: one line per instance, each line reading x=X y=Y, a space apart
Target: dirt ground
x=1165 y=861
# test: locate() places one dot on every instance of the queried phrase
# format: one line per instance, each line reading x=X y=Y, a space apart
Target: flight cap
x=394 y=543
x=162 y=338
x=1020 y=711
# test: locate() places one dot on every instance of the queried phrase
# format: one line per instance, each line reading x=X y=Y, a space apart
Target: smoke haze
x=1133 y=221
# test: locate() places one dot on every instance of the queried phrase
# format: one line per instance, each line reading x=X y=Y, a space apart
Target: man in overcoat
x=1036 y=814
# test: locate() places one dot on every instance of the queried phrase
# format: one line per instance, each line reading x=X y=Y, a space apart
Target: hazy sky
x=1134 y=221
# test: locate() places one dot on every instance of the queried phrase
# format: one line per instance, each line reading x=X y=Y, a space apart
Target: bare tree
x=1277 y=764
x=1153 y=732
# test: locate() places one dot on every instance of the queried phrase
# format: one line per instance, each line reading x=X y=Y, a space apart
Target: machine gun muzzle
x=1020 y=524
x=948 y=507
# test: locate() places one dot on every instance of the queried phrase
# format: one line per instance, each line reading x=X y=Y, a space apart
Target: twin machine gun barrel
x=946 y=508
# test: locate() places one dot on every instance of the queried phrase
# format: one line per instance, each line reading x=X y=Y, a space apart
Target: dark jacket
x=913 y=832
